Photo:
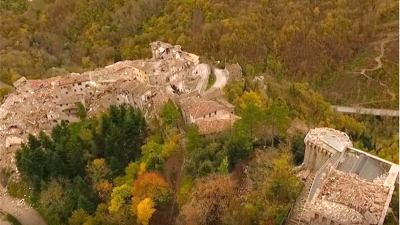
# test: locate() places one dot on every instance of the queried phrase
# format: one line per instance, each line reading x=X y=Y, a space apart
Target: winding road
x=24 y=213
x=378 y=59
x=221 y=78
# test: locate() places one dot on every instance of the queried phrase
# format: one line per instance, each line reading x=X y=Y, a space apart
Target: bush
x=18 y=188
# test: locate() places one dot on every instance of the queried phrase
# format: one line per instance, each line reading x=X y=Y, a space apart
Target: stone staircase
x=296 y=213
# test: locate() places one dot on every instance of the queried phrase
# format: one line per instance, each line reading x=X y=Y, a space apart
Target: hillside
x=196 y=112
x=323 y=43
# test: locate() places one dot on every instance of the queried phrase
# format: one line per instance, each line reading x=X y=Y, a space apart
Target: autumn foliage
x=150 y=185
x=145 y=210
x=208 y=200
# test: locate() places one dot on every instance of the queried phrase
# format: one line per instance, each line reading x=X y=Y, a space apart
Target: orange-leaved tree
x=150 y=185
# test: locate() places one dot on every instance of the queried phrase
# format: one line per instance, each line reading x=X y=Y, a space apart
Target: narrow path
x=221 y=79
x=24 y=213
x=379 y=64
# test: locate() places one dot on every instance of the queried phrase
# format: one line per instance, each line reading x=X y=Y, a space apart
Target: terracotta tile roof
x=135 y=87
x=73 y=78
x=158 y=101
x=71 y=99
x=38 y=84
x=215 y=125
x=354 y=192
x=199 y=107
x=213 y=93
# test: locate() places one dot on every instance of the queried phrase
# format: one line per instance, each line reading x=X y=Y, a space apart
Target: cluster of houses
x=38 y=105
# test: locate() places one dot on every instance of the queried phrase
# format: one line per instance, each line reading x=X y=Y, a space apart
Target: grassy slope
x=347 y=87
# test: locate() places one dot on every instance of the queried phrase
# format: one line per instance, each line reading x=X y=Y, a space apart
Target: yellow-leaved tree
x=145 y=210
x=118 y=198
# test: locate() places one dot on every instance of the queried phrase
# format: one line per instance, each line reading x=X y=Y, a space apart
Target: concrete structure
x=348 y=186
x=367 y=111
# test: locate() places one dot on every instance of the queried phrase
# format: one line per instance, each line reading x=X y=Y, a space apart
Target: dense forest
x=118 y=168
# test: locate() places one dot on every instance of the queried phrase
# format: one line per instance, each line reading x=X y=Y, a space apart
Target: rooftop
x=213 y=126
x=352 y=197
x=198 y=107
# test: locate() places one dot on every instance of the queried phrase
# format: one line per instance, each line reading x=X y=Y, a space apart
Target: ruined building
x=345 y=185
x=38 y=105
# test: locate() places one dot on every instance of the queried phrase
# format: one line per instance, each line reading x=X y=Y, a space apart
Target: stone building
x=21 y=81
x=210 y=116
x=72 y=84
x=322 y=144
x=127 y=70
x=38 y=105
x=161 y=50
x=235 y=71
x=347 y=186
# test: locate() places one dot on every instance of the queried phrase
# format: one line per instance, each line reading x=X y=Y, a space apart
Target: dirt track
x=25 y=214
x=378 y=59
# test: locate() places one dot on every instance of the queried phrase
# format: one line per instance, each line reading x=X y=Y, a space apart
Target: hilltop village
x=343 y=185
x=38 y=105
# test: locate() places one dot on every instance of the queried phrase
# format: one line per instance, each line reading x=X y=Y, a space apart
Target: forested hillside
x=321 y=42
x=298 y=58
